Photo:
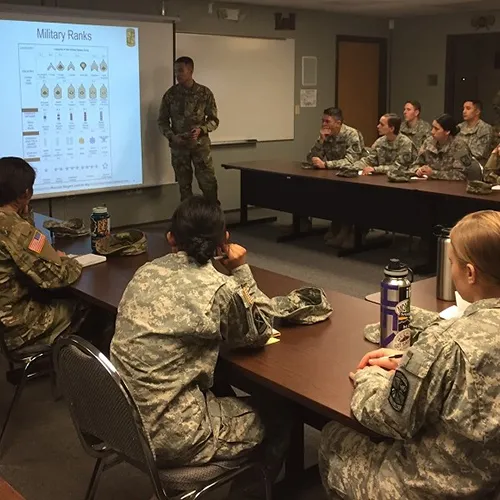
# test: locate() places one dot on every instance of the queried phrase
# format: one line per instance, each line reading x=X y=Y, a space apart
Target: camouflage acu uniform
x=172 y=320
x=182 y=110
x=442 y=410
x=29 y=268
x=496 y=128
x=418 y=133
x=340 y=150
x=388 y=155
x=448 y=162
x=491 y=172
x=479 y=138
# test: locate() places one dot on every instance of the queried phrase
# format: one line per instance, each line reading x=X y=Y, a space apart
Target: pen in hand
x=392 y=356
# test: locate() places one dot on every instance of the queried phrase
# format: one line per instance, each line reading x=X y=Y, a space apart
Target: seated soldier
x=390 y=151
x=491 y=172
x=445 y=155
x=414 y=127
x=439 y=404
x=338 y=145
x=30 y=269
x=477 y=134
x=175 y=315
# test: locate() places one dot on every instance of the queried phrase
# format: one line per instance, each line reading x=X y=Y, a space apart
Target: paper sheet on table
x=495 y=188
x=457 y=310
x=415 y=178
x=275 y=337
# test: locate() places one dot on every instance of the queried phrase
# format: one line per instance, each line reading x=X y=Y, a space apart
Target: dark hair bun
x=201 y=249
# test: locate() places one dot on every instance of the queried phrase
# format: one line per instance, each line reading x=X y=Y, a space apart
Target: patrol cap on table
x=398 y=175
x=478 y=187
x=130 y=242
x=72 y=228
x=347 y=172
x=304 y=306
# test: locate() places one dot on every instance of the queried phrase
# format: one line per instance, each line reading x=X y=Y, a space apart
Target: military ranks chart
x=65 y=96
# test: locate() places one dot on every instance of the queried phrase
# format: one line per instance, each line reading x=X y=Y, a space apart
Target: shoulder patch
x=37 y=242
x=399 y=391
x=466 y=160
x=259 y=320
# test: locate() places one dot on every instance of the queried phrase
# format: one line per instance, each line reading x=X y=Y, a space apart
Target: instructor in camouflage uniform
x=30 y=268
x=439 y=404
x=188 y=113
x=392 y=150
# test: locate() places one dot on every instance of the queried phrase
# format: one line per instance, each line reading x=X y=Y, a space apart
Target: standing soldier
x=188 y=113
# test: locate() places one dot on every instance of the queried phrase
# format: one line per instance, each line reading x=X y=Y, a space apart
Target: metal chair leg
x=94 y=480
x=15 y=399
x=267 y=483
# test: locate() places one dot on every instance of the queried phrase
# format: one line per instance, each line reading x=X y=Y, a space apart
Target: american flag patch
x=37 y=242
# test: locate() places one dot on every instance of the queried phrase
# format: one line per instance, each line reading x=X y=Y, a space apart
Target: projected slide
x=72 y=104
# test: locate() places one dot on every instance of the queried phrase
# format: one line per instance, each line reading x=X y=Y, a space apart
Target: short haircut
x=476 y=103
x=393 y=120
x=334 y=113
x=16 y=177
x=448 y=124
x=185 y=60
x=416 y=105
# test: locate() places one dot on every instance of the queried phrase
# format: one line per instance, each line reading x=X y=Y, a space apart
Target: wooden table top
x=423 y=295
x=310 y=365
x=293 y=168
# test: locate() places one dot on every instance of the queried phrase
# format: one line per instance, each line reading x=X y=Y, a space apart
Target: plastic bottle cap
x=99 y=210
x=396 y=268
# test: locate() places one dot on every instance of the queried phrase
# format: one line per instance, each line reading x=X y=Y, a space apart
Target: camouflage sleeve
x=397 y=406
x=164 y=119
x=35 y=257
x=212 y=120
x=481 y=149
x=491 y=169
x=316 y=151
x=372 y=159
x=421 y=158
x=353 y=154
x=248 y=318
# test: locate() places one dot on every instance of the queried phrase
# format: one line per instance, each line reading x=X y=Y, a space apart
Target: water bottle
x=100 y=225
x=445 y=289
x=395 y=294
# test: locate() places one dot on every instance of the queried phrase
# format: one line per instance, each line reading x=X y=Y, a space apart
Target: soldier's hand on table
x=195 y=133
x=425 y=170
x=318 y=162
x=236 y=256
x=380 y=357
x=368 y=170
x=61 y=254
x=497 y=151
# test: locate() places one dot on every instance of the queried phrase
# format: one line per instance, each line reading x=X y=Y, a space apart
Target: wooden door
x=361 y=83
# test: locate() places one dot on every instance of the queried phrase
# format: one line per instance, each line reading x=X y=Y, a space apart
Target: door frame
x=382 y=69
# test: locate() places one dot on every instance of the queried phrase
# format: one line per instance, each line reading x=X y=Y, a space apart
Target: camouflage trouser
x=349 y=465
x=199 y=157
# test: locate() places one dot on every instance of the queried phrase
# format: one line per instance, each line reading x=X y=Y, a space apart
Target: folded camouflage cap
x=420 y=320
x=304 y=306
x=72 y=228
x=347 y=172
x=131 y=242
x=478 y=187
x=398 y=175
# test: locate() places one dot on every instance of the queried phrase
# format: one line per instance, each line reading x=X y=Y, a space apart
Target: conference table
x=309 y=367
x=413 y=208
x=423 y=295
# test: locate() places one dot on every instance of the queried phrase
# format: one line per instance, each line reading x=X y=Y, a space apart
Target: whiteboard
x=253 y=81
x=155 y=77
